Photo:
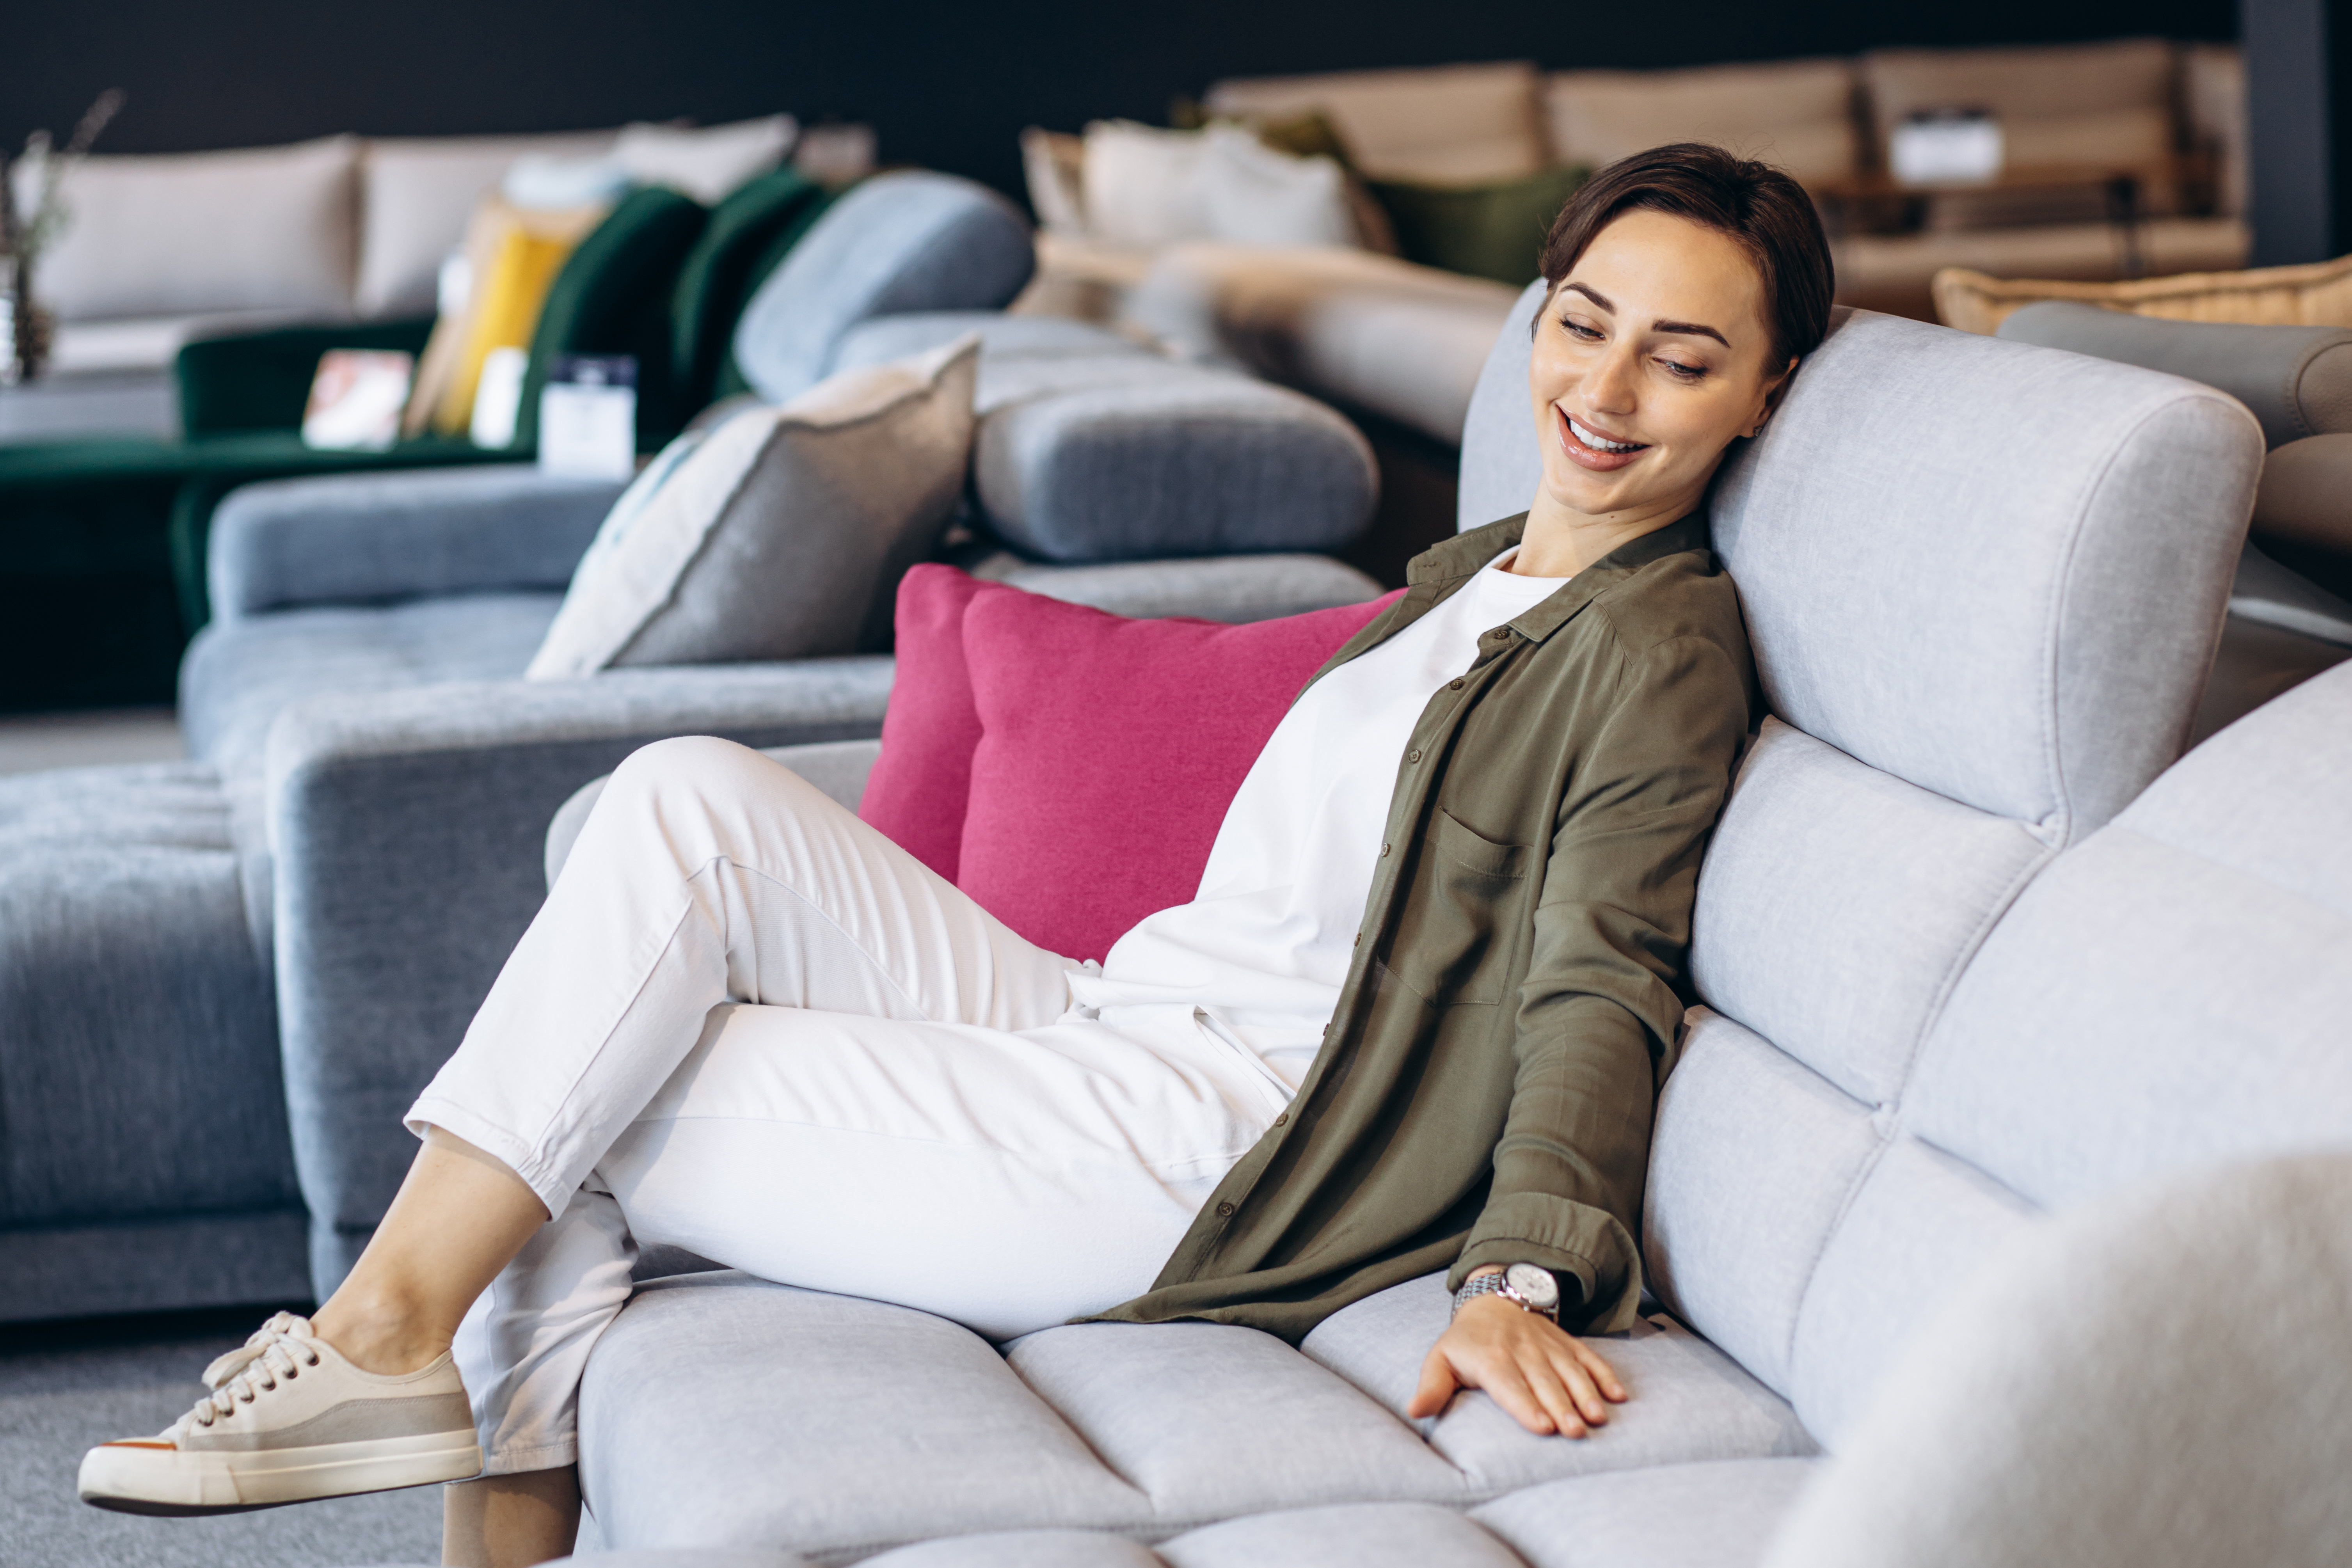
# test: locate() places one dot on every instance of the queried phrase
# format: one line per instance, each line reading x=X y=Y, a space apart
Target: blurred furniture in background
x=216 y=977
x=2316 y=294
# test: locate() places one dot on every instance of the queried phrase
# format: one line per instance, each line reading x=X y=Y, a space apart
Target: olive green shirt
x=1484 y=1091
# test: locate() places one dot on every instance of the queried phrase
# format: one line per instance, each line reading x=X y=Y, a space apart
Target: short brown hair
x=1763 y=210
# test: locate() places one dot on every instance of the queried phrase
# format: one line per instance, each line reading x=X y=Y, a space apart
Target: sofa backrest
x=1984 y=583
x=1796 y=114
x=2109 y=105
x=906 y=241
x=1465 y=124
x=2168 y=995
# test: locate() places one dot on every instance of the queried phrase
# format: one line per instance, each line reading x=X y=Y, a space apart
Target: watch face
x=1535 y=1286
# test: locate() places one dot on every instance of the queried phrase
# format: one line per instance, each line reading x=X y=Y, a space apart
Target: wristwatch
x=1524 y=1285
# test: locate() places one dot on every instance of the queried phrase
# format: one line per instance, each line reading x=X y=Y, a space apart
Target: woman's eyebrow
x=1598 y=299
x=1690 y=329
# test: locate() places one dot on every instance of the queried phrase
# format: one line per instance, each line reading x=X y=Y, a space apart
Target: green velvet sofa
x=102 y=541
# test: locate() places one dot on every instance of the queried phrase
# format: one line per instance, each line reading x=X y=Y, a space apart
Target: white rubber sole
x=168 y=1481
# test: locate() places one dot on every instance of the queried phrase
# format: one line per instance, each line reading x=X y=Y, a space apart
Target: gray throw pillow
x=774 y=535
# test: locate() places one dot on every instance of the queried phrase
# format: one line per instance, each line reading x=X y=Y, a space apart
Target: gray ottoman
x=144 y=1161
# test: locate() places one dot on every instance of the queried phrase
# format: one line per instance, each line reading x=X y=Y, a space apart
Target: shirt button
x=1358 y=942
x=1224 y=1211
x=1384 y=851
x=1281 y=1119
x=1414 y=755
x=1457 y=685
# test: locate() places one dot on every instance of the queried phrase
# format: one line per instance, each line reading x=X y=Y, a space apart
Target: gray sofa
x=220 y=982
x=1998 y=1206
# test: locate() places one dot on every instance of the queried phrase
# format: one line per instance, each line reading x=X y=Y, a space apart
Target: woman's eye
x=1580 y=330
x=1684 y=372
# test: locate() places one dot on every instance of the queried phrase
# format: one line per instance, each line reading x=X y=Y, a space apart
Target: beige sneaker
x=288 y=1420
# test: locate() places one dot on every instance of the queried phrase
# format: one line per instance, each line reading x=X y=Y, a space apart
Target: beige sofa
x=2173 y=114
x=158 y=250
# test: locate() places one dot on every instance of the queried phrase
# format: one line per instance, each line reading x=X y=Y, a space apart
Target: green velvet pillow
x=735 y=254
x=613 y=297
x=1488 y=231
x=728 y=380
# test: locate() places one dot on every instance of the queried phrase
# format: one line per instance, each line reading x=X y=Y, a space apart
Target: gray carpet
x=65 y=1388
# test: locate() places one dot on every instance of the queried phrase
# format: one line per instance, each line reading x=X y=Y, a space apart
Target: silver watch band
x=1499 y=1284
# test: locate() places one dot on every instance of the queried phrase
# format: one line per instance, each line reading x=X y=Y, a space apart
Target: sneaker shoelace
x=279 y=1348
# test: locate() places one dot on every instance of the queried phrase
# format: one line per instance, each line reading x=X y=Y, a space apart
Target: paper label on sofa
x=588 y=416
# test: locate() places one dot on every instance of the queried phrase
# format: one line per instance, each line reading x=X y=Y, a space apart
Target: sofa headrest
x=2297 y=380
x=1995 y=571
x=906 y=241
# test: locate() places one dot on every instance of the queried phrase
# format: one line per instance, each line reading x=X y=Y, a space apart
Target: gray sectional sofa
x=2000 y=1208
x=220 y=982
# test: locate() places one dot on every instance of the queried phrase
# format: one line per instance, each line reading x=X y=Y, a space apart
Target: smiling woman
x=1686 y=284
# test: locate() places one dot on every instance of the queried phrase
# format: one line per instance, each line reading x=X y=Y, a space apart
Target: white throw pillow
x=178 y=233
x=707 y=162
x=1253 y=194
x=415 y=194
x=1143 y=184
x=782 y=533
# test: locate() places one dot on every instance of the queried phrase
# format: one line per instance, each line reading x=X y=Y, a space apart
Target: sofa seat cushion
x=846 y=1427
x=1721 y=1515
x=238 y=674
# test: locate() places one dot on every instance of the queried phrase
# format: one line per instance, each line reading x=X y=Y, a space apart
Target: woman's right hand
x=1550 y=1380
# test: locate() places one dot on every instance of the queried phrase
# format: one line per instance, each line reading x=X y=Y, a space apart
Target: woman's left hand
x=1550 y=1380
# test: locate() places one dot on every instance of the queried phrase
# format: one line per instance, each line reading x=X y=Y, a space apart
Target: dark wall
x=948 y=84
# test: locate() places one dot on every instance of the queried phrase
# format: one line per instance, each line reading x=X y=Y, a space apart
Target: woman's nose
x=1610 y=384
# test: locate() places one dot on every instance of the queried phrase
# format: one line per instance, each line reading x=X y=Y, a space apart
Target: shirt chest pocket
x=1454 y=945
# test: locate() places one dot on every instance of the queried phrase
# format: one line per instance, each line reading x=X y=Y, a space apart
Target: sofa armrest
x=362 y=538
x=261 y=380
x=406 y=830
x=2155 y=1379
x=839 y=768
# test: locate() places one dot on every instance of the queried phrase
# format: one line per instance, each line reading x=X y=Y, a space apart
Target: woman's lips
x=1582 y=452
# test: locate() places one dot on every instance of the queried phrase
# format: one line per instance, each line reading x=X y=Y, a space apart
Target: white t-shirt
x=1264 y=947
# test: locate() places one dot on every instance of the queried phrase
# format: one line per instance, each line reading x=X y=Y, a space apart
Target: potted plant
x=24 y=326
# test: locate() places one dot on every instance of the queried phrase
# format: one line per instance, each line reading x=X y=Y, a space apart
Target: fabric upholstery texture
x=1718 y=1515
x=1080 y=716
x=1146 y=1431
x=1796 y=114
x=918 y=796
x=2296 y=380
x=1093 y=449
x=2138 y=1423
x=1450 y=124
x=898 y=242
x=784 y=533
x=257 y=229
x=373 y=538
x=131 y=996
x=415 y=194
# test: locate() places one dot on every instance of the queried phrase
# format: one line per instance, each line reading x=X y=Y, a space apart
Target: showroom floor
x=29 y=742
x=66 y=1387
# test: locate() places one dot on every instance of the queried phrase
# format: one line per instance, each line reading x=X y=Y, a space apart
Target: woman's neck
x=1560 y=542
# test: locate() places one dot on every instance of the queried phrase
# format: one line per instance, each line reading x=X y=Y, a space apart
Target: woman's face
x=1650 y=358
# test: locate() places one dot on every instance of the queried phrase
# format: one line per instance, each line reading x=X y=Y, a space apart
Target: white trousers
x=746 y=1023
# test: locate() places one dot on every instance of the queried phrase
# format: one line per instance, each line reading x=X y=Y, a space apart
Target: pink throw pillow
x=917 y=791
x=1109 y=749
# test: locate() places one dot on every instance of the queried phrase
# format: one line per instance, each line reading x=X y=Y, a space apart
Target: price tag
x=588 y=416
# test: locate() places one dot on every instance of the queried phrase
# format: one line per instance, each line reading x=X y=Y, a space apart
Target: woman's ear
x=1772 y=396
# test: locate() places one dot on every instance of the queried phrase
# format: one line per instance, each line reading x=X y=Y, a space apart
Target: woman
x=747 y=1025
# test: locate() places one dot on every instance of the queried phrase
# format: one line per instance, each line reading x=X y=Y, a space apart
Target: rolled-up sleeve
x=1597 y=1015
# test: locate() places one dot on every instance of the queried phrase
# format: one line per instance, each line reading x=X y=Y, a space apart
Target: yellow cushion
x=2316 y=294
x=513 y=254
